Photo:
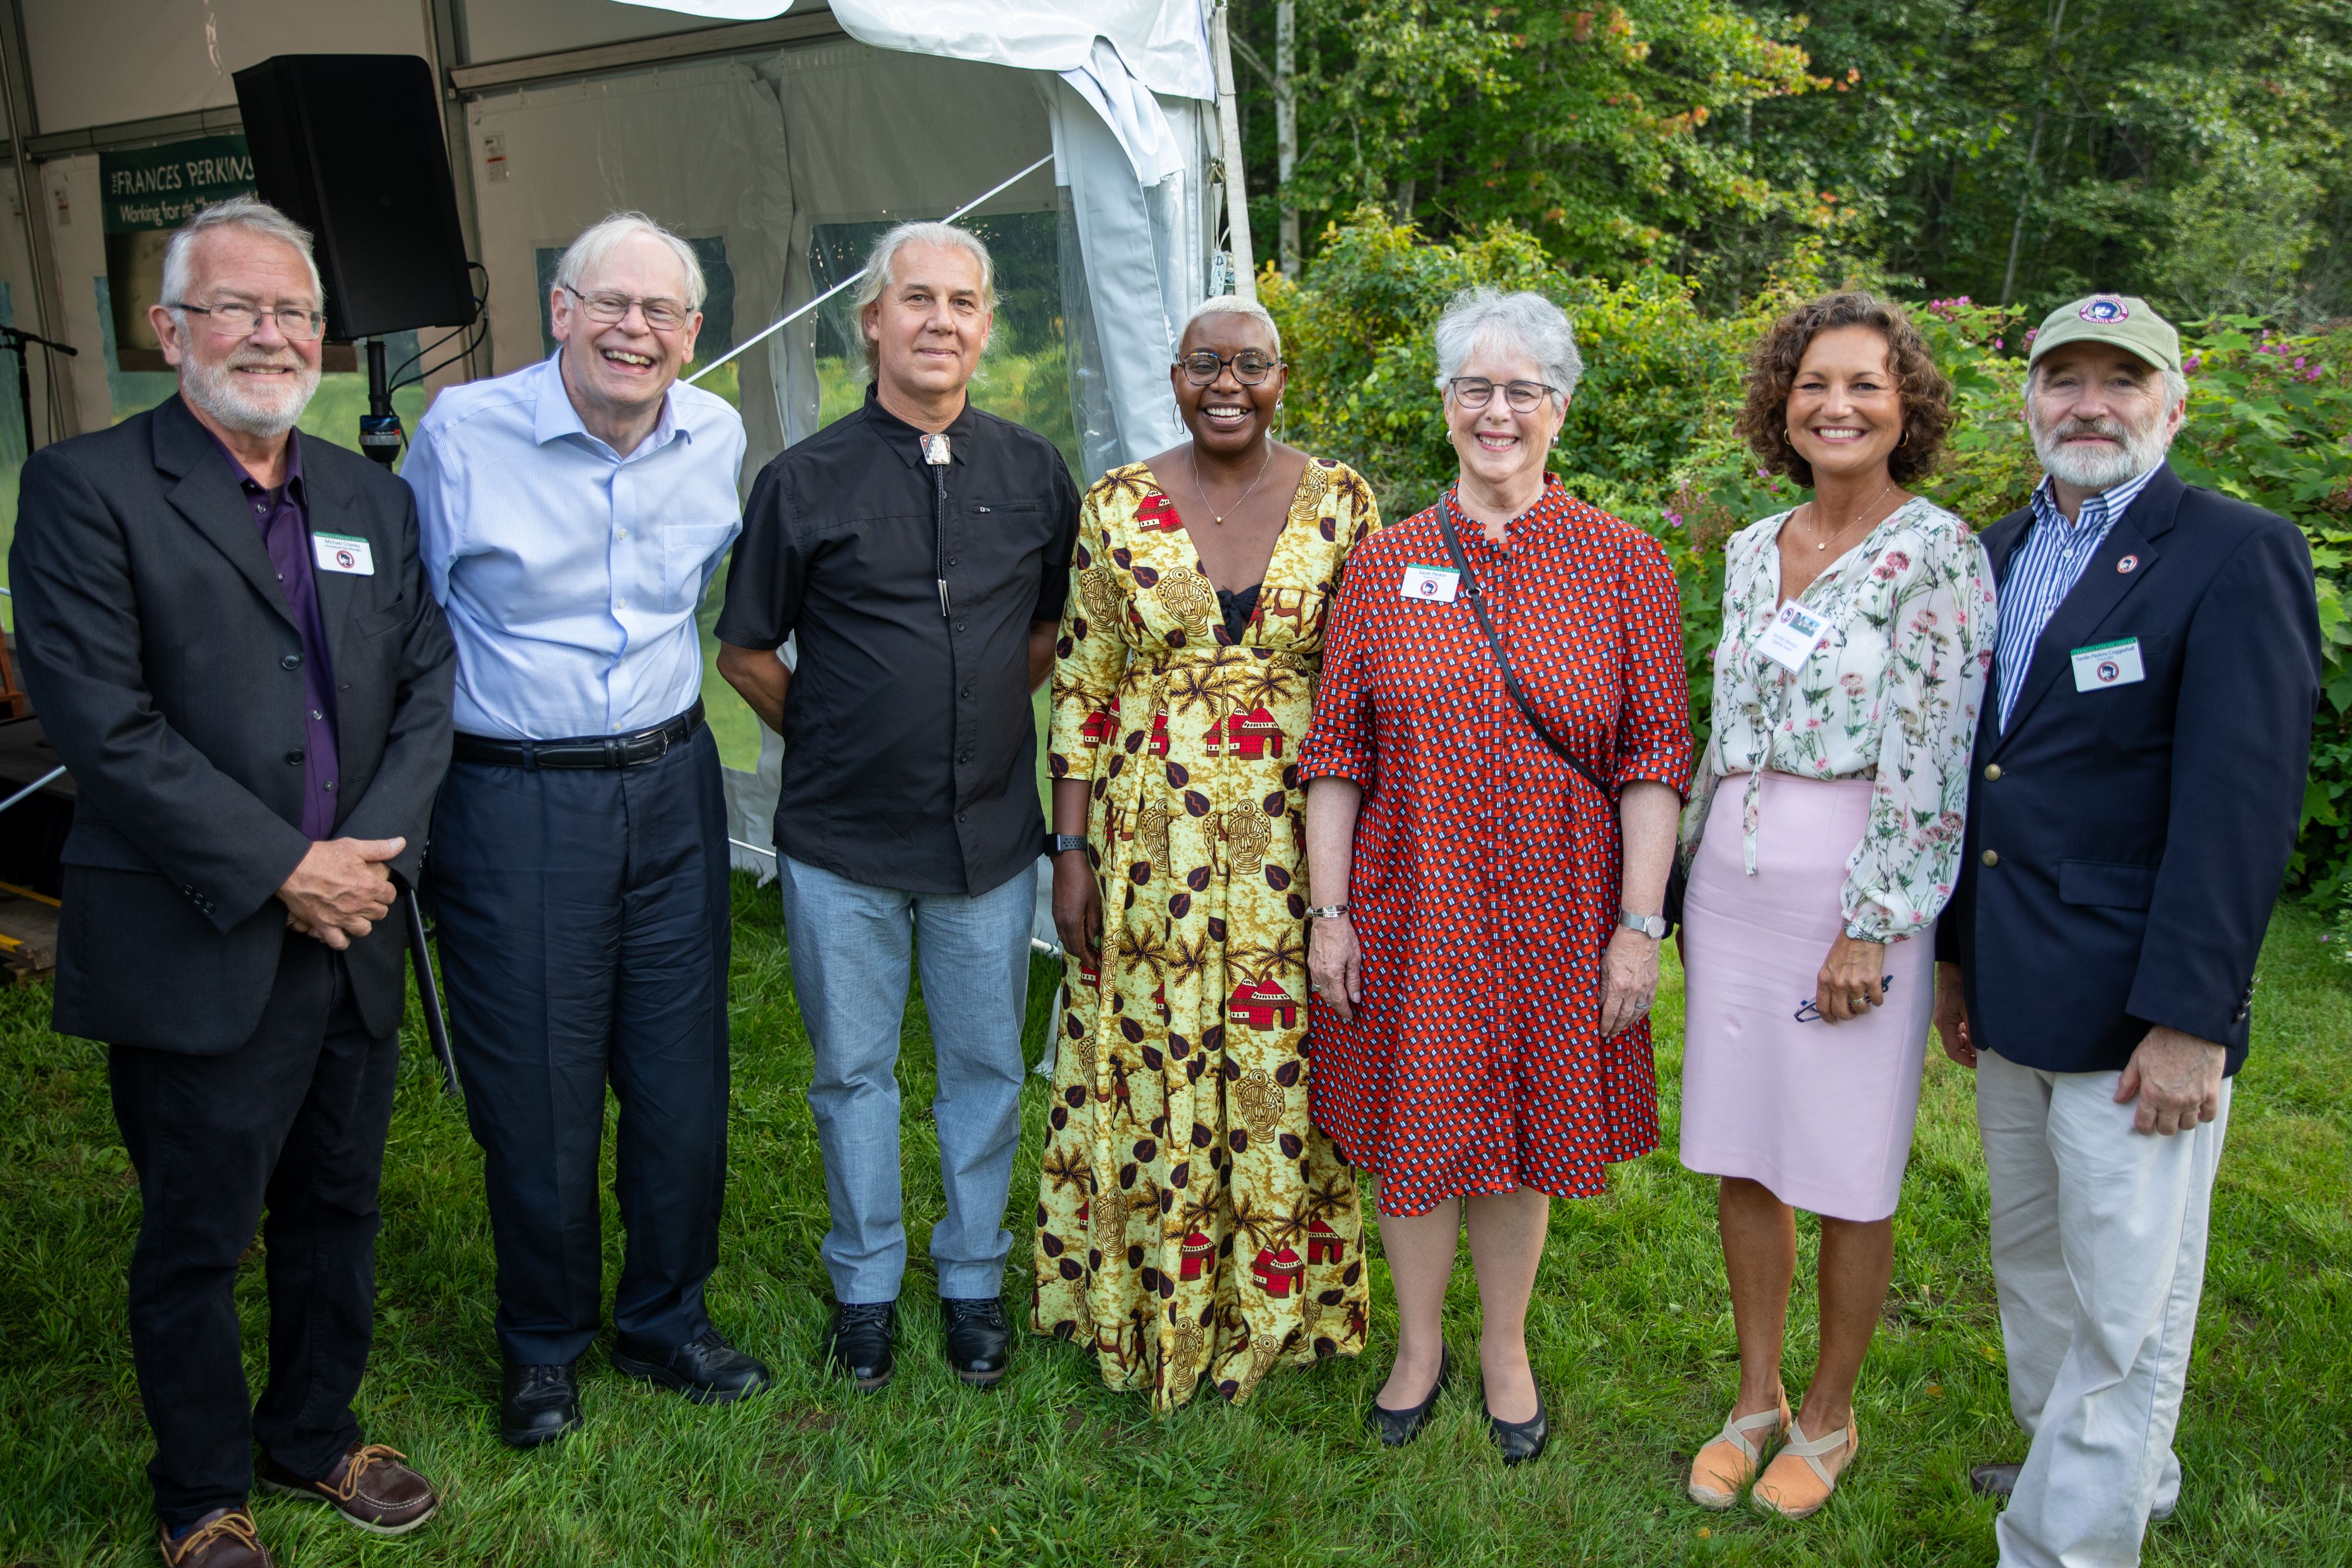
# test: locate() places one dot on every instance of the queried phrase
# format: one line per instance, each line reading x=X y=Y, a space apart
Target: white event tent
x=778 y=136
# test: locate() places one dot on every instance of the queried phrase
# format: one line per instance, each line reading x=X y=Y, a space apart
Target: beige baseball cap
x=2116 y=319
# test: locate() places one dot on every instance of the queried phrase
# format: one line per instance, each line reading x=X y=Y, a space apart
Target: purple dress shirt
x=283 y=516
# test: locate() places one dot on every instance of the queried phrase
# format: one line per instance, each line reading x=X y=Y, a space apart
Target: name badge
x=1437 y=584
x=342 y=552
x=1793 y=635
x=2105 y=664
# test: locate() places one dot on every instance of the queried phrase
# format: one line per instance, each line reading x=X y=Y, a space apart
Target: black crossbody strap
x=1510 y=679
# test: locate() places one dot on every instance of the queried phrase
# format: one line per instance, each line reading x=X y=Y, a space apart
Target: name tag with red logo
x=1435 y=584
x=2105 y=664
x=342 y=552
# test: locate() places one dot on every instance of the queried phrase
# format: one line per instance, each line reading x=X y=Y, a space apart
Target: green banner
x=147 y=193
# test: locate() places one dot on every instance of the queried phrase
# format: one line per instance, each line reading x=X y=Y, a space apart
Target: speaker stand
x=13 y=338
x=380 y=434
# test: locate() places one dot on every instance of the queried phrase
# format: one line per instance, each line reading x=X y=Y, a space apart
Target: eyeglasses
x=607 y=308
x=1478 y=392
x=1250 y=366
x=234 y=321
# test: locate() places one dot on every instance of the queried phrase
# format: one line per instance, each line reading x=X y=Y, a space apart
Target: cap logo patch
x=2106 y=309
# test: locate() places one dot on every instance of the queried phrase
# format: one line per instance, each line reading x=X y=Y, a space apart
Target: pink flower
x=2031 y=333
x=1996 y=343
x=1852 y=683
x=1897 y=559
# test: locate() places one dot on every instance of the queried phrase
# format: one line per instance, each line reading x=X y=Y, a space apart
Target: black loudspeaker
x=350 y=146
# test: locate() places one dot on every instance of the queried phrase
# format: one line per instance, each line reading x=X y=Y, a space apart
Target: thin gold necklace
x=1814 y=504
x=1193 y=455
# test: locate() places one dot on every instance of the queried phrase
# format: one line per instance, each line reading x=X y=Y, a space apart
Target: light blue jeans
x=850 y=947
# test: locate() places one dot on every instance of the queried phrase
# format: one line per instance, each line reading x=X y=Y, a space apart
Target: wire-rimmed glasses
x=234 y=319
x=1478 y=392
x=608 y=309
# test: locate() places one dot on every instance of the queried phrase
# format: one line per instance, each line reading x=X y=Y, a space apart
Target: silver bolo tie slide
x=935 y=453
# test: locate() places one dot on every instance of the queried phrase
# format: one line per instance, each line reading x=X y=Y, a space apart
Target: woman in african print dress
x=1193 y=1226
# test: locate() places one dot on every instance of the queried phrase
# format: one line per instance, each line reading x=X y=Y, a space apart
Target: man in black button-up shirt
x=918 y=550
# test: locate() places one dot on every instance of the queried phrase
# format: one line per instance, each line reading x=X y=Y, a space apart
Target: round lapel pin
x=2129 y=564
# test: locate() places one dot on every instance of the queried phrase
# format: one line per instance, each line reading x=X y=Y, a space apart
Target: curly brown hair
x=1772 y=371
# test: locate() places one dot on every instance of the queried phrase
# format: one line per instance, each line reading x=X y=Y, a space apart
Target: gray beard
x=218 y=391
x=2143 y=449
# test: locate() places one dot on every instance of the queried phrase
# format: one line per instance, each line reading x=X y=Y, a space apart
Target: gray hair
x=1523 y=323
x=598 y=240
x=2176 y=385
x=1234 y=305
x=248 y=212
x=881 y=263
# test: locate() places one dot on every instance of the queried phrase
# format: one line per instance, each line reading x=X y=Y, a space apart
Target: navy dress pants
x=293 y=1121
x=583 y=934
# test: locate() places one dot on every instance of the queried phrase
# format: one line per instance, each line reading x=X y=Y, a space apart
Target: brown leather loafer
x=369 y=1487
x=225 y=1538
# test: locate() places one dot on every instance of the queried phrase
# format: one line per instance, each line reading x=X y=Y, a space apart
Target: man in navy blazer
x=2137 y=790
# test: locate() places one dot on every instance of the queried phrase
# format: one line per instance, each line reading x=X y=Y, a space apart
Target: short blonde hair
x=1232 y=305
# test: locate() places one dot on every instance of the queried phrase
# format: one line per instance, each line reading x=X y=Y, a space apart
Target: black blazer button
x=290 y=662
x=293 y=756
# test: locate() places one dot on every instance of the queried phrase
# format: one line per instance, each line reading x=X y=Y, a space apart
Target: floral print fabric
x=1486 y=872
x=1191 y=1224
x=1891 y=693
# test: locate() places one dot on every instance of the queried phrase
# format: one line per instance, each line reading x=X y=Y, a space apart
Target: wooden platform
x=28 y=935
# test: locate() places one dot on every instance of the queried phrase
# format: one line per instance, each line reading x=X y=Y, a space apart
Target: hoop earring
x=1907 y=437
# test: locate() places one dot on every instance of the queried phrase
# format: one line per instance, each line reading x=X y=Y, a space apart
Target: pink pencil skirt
x=1818 y=1113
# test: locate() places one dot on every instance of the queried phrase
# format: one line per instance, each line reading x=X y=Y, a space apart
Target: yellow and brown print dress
x=1191 y=1224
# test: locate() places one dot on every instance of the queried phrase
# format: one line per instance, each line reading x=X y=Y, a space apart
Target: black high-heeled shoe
x=1395 y=1429
x=1521 y=1441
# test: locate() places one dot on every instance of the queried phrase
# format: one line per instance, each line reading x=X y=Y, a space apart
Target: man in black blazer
x=2137 y=785
x=225 y=632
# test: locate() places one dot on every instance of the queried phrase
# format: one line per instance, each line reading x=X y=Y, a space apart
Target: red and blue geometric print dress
x=1192 y=1227
x=1485 y=882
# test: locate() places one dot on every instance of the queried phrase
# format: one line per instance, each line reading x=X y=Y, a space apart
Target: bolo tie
x=935 y=454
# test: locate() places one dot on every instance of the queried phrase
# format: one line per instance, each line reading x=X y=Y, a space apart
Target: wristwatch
x=1857 y=934
x=1062 y=843
x=1654 y=926
x=1327 y=911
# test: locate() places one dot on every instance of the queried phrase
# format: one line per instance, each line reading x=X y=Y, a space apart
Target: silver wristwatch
x=1857 y=934
x=1654 y=926
x=1326 y=911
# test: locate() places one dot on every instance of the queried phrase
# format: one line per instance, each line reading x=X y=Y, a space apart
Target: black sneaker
x=706 y=1368
x=979 y=1341
x=859 y=1342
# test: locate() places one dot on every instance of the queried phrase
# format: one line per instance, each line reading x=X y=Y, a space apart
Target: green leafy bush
x=1649 y=435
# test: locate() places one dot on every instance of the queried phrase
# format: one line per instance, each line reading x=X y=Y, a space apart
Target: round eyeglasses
x=1250 y=366
x=236 y=321
x=1478 y=392
x=607 y=308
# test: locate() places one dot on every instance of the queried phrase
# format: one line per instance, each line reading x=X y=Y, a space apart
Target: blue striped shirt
x=2045 y=569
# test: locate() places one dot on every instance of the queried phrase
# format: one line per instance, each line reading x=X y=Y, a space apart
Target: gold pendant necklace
x=1857 y=517
x=1192 y=454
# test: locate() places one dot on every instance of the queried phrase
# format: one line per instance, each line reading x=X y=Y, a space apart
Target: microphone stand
x=16 y=338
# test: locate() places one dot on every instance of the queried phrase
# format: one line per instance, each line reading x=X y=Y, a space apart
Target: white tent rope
x=776 y=327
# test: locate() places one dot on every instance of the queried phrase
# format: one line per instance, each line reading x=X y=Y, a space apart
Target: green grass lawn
x=1631 y=1331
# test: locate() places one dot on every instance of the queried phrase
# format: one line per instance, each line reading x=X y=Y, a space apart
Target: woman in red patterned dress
x=1486 y=945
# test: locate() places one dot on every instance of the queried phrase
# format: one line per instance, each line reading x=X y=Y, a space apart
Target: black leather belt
x=639 y=745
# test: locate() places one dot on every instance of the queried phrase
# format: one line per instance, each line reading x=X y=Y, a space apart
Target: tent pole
x=1229 y=124
x=16 y=85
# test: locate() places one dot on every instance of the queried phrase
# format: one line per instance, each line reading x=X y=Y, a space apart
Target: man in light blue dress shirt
x=573 y=513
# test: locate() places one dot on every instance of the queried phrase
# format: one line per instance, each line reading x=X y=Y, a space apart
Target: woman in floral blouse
x=1193 y=1226
x=1822 y=841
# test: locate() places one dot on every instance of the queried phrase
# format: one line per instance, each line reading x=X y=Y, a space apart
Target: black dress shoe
x=536 y=1404
x=1520 y=1441
x=859 y=1342
x=979 y=1341
x=1395 y=1429
x=1993 y=1480
x=706 y=1368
